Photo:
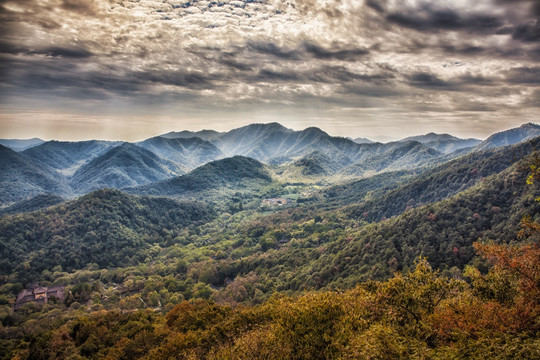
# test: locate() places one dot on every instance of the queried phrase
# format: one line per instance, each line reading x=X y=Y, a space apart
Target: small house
x=39 y=295
x=275 y=201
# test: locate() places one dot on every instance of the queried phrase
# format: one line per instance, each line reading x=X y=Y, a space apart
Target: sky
x=381 y=69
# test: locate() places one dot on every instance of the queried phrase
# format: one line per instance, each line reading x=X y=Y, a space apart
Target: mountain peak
x=530 y=125
x=314 y=130
x=430 y=137
x=21 y=144
x=206 y=135
x=512 y=136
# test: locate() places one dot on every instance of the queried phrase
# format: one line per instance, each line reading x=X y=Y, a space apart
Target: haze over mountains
x=68 y=169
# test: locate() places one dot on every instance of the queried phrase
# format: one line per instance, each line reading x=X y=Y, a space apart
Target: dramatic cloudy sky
x=130 y=69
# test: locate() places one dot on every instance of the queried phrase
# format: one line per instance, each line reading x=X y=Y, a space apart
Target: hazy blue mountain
x=408 y=155
x=207 y=135
x=361 y=140
x=510 y=137
x=273 y=143
x=19 y=144
x=234 y=172
x=122 y=166
x=430 y=137
x=189 y=153
x=444 y=143
x=448 y=147
x=259 y=141
x=22 y=177
x=36 y=203
x=68 y=156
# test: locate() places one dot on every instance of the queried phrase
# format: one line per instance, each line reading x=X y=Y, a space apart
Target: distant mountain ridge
x=412 y=154
x=21 y=144
x=22 y=177
x=68 y=156
x=510 y=137
x=430 y=137
x=206 y=135
x=444 y=143
x=276 y=144
x=188 y=153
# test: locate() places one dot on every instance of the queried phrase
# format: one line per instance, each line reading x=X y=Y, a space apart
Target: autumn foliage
x=419 y=314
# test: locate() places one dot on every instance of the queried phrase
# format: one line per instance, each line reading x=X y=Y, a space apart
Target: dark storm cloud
x=429 y=81
x=523 y=75
x=191 y=79
x=83 y=7
x=466 y=82
x=368 y=90
x=53 y=51
x=232 y=63
x=308 y=50
x=430 y=20
x=528 y=32
x=469 y=79
x=339 y=74
x=71 y=52
x=266 y=75
x=320 y=52
x=465 y=50
x=375 y=5
x=269 y=48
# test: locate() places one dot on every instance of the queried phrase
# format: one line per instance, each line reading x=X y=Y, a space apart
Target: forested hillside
x=238 y=258
x=441 y=182
x=107 y=228
x=238 y=173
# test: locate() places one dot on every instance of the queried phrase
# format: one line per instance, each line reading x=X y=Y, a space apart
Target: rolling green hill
x=107 y=227
x=236 y=173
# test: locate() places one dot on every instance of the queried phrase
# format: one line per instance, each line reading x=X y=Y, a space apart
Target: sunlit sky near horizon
x=381 y=69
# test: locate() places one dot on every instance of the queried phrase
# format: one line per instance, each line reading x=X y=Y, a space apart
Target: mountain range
x=69 y=169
